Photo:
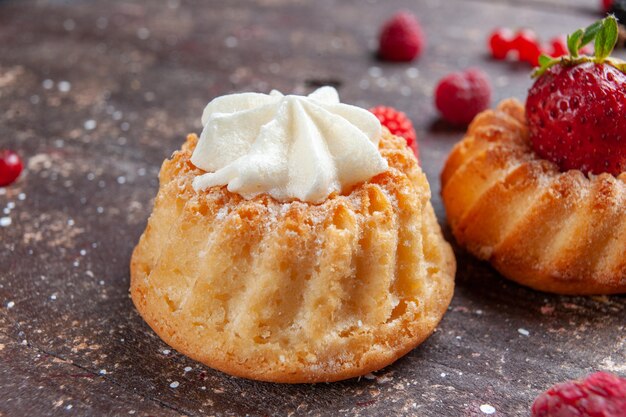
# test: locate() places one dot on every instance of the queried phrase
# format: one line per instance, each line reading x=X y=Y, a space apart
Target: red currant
x=10 y=167
x=500 y=43
x=527 y=46
x=559 y=47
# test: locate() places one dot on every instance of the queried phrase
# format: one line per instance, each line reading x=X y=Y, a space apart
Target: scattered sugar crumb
x=375 y=72
x=11 y=304
x=143 y=33
x=5 y=221
x=487 y=409
x=174 y=384
x=412 y=72
x=523 y=332
x=231 y=42
x=166 y=351
x=187 y=368
x=102 y=371
x=64 y=86
x=90 y=124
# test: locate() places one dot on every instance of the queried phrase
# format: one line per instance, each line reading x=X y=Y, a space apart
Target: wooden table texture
x=95 y=94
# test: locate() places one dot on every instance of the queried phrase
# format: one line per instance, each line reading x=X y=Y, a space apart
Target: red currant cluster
x=524 y=45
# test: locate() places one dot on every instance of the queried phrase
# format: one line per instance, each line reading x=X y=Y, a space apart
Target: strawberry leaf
x=544 y=60
x=604 y=32
x=606 y=38
x=590 y=32
x=574 y=41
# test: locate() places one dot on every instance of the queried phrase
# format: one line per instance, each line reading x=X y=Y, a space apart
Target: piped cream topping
x=290 y=147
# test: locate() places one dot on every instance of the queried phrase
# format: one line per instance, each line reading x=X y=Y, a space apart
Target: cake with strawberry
x=540 y=190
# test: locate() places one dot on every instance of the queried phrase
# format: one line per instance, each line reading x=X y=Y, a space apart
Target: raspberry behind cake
x=541 y=192
x=259 y=268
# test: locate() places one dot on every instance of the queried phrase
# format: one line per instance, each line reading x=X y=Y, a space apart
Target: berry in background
x=460 y=96
x=500 y=43
x=527 y=46
x=401 y=38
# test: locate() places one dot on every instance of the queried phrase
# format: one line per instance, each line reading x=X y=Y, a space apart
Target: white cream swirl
x=290 y=147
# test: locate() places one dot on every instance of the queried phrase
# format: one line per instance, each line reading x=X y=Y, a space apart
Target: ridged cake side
x=294 y=292
x=554 y=231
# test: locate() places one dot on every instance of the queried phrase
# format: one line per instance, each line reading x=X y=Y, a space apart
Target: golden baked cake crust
x=554 y=231
x=294 y=292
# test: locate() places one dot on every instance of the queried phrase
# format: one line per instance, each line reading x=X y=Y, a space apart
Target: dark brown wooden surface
x=71 y=342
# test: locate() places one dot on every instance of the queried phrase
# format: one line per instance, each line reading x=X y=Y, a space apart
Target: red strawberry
x=398 y=124
x=401 y=38
x=576 y=111
x=599 y=395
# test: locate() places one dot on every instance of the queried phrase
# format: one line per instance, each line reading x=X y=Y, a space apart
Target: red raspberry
x=576 y=116
x=398 y=124
x=10 y=167
x=527 y=46
x=460 y=96
x=401 y=38
x=599 y=395
x=500 y=43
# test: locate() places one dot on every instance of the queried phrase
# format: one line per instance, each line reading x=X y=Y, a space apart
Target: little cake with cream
x=293 y=242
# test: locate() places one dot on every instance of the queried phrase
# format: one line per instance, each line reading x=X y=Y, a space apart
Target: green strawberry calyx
x=603 y=32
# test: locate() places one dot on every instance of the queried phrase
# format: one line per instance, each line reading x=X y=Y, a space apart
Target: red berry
x=606 y=5
x=460 y=96
x=500 y=43
x=527 y=46
x=401 y=38
x=398 y=124
x=10 y=167
x=559 y=47
x=577 y=117
x=599 y=395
